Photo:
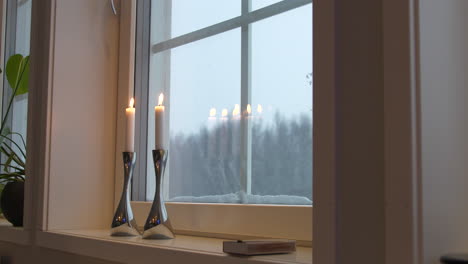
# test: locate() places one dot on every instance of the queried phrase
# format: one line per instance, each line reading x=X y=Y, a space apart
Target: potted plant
x=13 y=165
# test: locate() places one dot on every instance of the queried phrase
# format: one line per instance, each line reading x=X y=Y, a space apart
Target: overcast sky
x=206 y=73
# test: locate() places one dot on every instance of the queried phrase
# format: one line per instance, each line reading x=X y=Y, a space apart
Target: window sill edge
x=11 y=234
x=99 y=244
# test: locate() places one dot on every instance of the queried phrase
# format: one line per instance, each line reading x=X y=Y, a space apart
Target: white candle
x=236 y=112
x=259 y=112
x=224 y=114
x=130 y=118
x=259 y=109
x=159 y=123
x=212 y=119
x=249 y=110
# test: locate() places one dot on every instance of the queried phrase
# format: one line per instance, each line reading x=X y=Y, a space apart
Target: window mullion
x=166 y=89
x=159 y=80
x=246 y=126
x=236 y=22
x=141 y=98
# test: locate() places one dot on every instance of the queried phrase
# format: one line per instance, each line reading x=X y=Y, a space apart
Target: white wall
x=84 y=102
x=87 y=31
x=444 y=126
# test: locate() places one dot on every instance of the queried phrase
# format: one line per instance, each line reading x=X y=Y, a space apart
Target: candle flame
x=236 y=110
x=132 y=103
x=259 y=109
x=161 y=99
x=249 y=109
x=224 y=113
x=213 y=112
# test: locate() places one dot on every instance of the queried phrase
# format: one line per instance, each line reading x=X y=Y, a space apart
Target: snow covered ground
x=243 y=198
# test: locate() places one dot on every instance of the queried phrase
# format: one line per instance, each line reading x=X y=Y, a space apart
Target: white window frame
x=214 y=220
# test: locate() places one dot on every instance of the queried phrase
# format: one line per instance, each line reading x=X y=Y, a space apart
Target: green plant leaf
x=9 y=139
x=24 y=79
x=12 y=156
x=11 y=177
x=6 y=131
x=7 y=163
x=13 y=69
x=21 y=137
x=18 y=169
x=17 y=73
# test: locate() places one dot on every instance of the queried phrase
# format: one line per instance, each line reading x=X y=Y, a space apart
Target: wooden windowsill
x=16 y=235
x=99 y=244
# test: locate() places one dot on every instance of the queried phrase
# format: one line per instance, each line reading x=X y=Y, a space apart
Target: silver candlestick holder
x=157 y=225
x=124 y=223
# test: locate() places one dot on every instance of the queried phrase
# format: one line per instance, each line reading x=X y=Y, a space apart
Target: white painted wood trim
x=402 y=132
x=39 y=107
x=125 y=85
x=39 y=113
x=16 y=235
x=416 y=137
x=182 y=249
x=227 y=25
x=209 y=213
x=70 y=191
x=246 y=99
x=324 y=113
x=239 y=220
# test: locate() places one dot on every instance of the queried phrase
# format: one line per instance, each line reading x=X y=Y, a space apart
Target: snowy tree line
x=208 y=162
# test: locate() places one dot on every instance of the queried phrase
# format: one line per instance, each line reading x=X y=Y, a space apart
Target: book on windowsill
x=259 y=247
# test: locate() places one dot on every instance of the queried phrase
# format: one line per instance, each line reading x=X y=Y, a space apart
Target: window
x=15 y=27
x=17 y=34
x=15 y=39
x=237 y=80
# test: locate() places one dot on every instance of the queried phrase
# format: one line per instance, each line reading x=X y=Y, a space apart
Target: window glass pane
x=203 y=78
x=257 y=4
x=16 y=28
x=197 y=77
x=282 y=107
x=179 y=17
x=23 y=29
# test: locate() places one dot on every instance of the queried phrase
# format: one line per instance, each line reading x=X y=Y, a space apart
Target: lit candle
x=259 y=109
x=248 y=111
x=130 y=116
x=159 y=122
x=212 y=119
x=236 y=112
x=212 y=114
x=224 y=114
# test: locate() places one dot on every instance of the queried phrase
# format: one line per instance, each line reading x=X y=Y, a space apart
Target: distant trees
x=208 y=162
x=309 y=79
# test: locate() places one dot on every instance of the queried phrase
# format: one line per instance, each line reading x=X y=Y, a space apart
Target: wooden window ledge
x=99 y=244
x=16 y=235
